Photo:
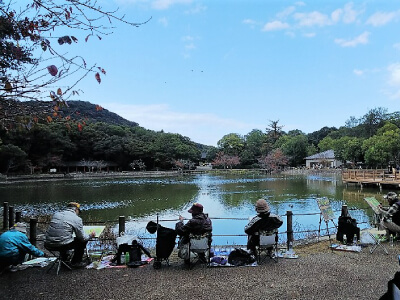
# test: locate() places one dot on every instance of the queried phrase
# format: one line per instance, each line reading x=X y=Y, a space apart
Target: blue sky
x=204 y=69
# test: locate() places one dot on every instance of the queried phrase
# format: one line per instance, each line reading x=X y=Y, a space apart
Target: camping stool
x=376 y=235
x=199 y=245
x=59 y=261
x=268 y=244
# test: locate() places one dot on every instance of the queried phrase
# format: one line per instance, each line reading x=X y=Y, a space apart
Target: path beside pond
x=318 y=273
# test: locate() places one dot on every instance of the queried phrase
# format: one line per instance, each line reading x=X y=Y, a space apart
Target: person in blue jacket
x=14 y=245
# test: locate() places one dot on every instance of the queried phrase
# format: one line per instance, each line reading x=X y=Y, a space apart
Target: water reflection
x=141 y=200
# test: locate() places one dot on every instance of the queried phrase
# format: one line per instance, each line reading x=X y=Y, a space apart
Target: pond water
x=229 y=200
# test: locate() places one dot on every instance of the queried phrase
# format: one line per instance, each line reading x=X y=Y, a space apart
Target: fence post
x=5 y=215
x=32 y=231
x=121 y=229
x=11 y=217
x=17 y=216
x=289 y=230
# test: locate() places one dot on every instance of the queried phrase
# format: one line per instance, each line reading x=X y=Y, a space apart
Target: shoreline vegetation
x=141 y=174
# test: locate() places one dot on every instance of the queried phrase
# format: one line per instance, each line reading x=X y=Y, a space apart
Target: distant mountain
x=95 y=114
x=77 y=110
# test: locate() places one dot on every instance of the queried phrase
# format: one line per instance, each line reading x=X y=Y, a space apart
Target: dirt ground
x=318 y=273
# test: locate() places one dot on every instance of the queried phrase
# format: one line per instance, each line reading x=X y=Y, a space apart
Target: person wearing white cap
x=14 y=245
x=264 y=220
x=59 y=235
x=391 y=215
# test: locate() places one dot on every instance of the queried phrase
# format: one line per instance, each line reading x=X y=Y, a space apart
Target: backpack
x=240 y=257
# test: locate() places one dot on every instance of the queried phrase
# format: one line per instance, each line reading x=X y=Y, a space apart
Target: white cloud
x=310 y=34
x=163 y=21
x=203 y=128
x=312 y=18
x=286 y=12
x=396 y=46
x=165 y=4
x=249 y=21
x=382 y=18
x=196 y=10
x=275 y=25
x=358 y=72
x=349 y=14
x=394 y=74
x=336 y=15
x=361 y=39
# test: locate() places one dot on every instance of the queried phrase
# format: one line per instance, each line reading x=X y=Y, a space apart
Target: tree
x=317 y=136
x=225 y=160
x=274 y=131
x=274 y=160
x=231 y=144
x=383 y=147
x=35 y=36
x=295 y=147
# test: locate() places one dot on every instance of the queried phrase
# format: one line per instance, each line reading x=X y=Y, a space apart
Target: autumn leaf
x=56 y=108
x=102 y=70
x=74 y=39
x=68 y=118
x=44 y=45
x=55 y=114
x=52 y=70
x=49 y=119
x=80 y=127
x=97 y=76
x=59 y=92
x=98 y=107
x=8 y=87
x=86 y=38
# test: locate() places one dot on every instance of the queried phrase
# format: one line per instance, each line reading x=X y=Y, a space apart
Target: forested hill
x=75 y=110
x=78 y=110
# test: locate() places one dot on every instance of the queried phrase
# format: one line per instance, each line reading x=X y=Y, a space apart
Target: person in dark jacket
x=14 y=245
x=263 y=221
x=199 y=224
x=391 y=215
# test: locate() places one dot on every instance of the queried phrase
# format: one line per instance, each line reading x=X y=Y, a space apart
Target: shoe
x=78 y=265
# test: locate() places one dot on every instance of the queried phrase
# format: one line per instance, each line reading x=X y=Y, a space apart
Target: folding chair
x=58 y=254
x=199 y=245
x=268 y=244
x=377 y=235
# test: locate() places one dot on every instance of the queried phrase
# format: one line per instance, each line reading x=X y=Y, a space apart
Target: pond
x=229 y=200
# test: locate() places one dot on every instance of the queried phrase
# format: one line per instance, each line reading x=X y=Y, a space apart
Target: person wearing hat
x=60 y=234
x=199 y=224
x=14 y=245
x=391 y=215
x=263 y=221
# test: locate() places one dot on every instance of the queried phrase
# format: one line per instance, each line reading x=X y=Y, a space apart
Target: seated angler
x=199 y=224
x=264 y=221
x=59 y=235
x=391 y=215
x=14 y=245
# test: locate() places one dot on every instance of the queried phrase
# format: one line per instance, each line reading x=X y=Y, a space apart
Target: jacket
x=198 y=224
x=263 y=221
x=393 y=212
x=14 y=243
x=62 y=226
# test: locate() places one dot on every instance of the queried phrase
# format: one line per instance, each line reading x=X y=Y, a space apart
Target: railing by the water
x=376 y=176
x=10 y=217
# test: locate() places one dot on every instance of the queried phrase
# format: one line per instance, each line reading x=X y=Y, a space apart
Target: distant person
x=59 y=235
x=391 y=215
x=199 y=224
x=14 y=245
x=263 y=221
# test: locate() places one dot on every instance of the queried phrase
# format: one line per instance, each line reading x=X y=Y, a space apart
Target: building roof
x=328 y=154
